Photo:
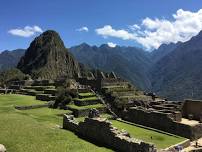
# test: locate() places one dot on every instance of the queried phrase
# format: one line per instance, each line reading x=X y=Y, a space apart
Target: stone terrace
x=101 y=131
x=86 y=100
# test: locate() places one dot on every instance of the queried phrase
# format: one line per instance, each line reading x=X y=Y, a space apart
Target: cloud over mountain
x=111 y=44
x=108 y=31
x=151 y=33
x=27 y=31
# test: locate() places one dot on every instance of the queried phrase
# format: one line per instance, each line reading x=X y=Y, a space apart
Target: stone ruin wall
x=70 y=124
x=193 y=107
x=102 y=131
x=163 y=121
x=94 y=83
x=85 y=112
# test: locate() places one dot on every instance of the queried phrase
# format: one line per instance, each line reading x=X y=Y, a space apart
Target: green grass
x=161 y=140
x=37 y=129
x=85 y=107
x=86 y=99
x=87 y=94
x=40 y=88
x=18 y=100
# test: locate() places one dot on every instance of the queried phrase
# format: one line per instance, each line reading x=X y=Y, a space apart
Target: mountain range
x=173 y=70
x=128 y=62
x=9 y=59
x=178 y=74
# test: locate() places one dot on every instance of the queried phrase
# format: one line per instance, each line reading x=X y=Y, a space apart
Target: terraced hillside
x=122 y=94
x=86 y=101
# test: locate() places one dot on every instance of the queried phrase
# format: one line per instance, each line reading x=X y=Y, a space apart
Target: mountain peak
x=47 y=57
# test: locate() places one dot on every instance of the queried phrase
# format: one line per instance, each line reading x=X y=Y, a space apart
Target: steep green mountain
x=9 y=59
x=128 y=62
x=48 y=58
x=178 y=75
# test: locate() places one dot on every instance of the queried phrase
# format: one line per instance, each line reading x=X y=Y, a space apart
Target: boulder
x=2 y=148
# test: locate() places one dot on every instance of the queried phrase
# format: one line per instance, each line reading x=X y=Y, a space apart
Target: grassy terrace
x=160 y=139
x=86 y=107
x=136 y=97
x=86 y=99
x=37 y=129
x=40 y=88
x=87 y=94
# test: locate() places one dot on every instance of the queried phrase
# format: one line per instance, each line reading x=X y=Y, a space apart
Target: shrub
x=62 y=98
x=11 y=75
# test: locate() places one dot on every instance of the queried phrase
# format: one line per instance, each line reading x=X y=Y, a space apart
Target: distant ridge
x=9 y=59
x=178 y=75
x=130 y=63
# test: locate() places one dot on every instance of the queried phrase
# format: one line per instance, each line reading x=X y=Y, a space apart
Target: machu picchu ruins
x=100 y=106
x=101 y=76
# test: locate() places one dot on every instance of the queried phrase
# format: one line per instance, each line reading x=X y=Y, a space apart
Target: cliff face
x=47 y=58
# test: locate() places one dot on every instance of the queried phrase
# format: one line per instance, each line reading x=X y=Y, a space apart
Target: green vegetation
x=39 y=88
x=37 y=129
x=87 y=94
x=86 y=107
x=11 y=75
x=62 y=98
x=160 y=139
x=86 y=99
x=6 y=101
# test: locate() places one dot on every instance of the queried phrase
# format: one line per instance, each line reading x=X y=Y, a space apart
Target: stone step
x=86 y=101
x=30 y=92
x=45 y=97
x=39 y=88
x=86 y=95
x=50 y=91
x=82 y=111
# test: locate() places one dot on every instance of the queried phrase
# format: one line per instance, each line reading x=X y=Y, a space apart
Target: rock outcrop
x=47 y=58
x=2 y=148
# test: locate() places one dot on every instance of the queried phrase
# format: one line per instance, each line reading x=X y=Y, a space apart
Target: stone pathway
x=193 y=145
x=189 y=122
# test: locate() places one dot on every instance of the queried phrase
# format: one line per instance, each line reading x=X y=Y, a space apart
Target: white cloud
x=111 y=44
x=108 y=31
x=27 y=31
x=151 y=33
x=83 y=29
x=134 y=27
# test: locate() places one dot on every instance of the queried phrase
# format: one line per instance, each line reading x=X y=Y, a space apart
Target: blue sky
x=104 y=21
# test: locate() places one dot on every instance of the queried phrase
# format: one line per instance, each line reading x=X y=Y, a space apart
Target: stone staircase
x=42 y=92
x=122 y=94
x=87 y=100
